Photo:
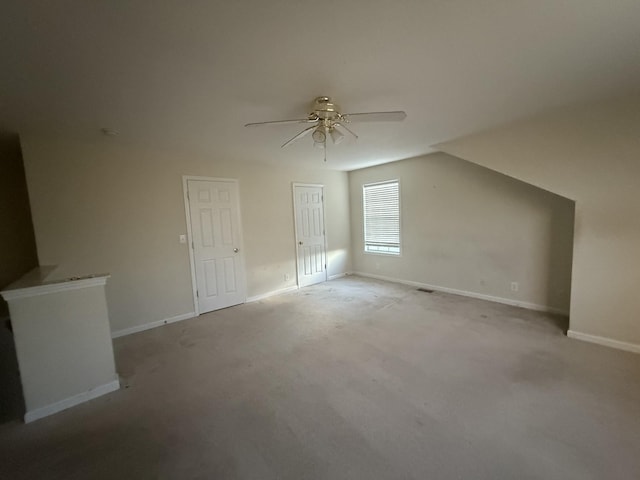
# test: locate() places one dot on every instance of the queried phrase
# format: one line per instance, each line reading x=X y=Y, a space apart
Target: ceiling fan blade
x=304 y=132
x=396 y=116
x=282 y=122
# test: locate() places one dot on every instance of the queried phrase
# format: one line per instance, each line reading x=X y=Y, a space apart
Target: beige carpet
x=355 y=379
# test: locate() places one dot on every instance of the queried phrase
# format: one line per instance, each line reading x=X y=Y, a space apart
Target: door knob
x=300 y=242
x=235 y=250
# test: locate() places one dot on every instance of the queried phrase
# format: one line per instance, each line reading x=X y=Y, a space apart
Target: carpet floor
x=350 y=379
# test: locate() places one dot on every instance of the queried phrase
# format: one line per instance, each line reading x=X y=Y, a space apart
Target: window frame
x=364 y=220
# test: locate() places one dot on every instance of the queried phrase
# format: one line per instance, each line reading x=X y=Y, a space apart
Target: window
x=381 y=205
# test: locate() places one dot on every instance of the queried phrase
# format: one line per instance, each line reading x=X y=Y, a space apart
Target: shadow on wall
x=11 y=399
x=17 y=256
x=561 y=254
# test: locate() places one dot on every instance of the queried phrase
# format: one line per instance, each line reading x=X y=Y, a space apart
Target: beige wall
x=105 y=207
x=589 y=153
x=467 y=228
x=17 y=242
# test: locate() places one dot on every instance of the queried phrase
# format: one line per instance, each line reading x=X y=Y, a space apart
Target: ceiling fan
x=326 y=120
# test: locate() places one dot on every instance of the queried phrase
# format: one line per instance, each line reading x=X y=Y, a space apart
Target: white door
x=215 y=233
x=308 y=205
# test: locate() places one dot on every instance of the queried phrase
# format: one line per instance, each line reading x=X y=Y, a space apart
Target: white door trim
x=295 y=228
x=187 y=212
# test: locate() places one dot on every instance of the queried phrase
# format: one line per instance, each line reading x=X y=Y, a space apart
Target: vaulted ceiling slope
x=190 y=75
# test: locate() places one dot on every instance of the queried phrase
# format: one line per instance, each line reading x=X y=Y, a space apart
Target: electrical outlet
x=183 y=239
x=514 y=286
x=286 y=277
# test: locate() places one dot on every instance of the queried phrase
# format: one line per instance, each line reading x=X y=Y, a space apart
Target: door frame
x=295 y=228
x=187 y=211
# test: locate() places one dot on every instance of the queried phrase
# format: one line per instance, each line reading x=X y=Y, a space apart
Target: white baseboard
x=338 y=275
x=607 y=342
x=262 y=296
x=481 y=296
x=147 y=326
x=69 y=402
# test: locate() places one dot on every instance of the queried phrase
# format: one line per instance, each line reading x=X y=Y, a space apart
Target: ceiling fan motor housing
x=325 y=109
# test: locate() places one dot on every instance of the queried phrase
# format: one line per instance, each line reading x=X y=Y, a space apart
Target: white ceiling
x=189 y=75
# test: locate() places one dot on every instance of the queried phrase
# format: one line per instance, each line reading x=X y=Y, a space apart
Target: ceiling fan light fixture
x=336 y=135
x=319 y=136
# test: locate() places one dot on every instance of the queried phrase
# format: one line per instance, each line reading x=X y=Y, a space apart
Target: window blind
x=381 y=202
